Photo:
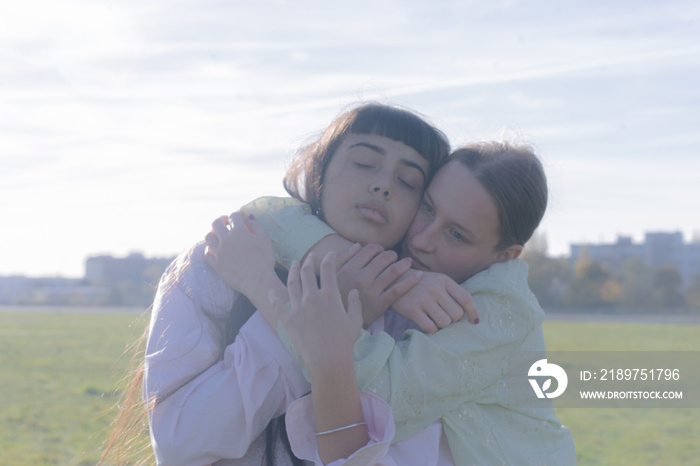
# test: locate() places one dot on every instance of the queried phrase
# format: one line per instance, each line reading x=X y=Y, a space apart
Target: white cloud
x=120 y=117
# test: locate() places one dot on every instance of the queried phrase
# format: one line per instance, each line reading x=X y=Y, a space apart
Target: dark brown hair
x=305 y=177
x=129 y=441
x=513 y=176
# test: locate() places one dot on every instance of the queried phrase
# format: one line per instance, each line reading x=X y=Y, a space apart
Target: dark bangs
x=403 y=126
x=304 y=179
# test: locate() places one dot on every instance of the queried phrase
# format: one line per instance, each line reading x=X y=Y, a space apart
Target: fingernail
x=476 y=321
x=251 y=216
x=354 y=247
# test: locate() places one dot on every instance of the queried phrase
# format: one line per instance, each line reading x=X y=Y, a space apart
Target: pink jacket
x=219 y=406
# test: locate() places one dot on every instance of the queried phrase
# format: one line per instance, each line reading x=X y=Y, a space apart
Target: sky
x=129 y=126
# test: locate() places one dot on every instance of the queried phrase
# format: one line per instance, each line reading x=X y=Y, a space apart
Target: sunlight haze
x=129 y=126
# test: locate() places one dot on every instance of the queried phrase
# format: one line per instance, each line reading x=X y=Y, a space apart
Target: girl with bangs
x=391 y=394
x=211 y=384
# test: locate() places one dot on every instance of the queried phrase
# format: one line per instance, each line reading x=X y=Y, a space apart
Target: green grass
x=58 y=373
x=606 y=436
x=594 y=336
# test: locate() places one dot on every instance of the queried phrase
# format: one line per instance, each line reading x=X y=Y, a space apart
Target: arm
x=210 y=407
x=423 y=377
x=236 y=245
x=325 y=333
x=242 y=254
x=435 y=302
x=295 y=231
x=199 y=382
x=380 y=428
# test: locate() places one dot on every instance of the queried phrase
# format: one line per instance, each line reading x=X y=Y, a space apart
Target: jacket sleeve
x=380 y=427
x=211 y=401
x=291 y=225
x=426 y=376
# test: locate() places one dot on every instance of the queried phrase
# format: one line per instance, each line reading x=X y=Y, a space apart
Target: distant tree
x=590 y=285
x=611 y=292
x=151 y=275
x=538 y=245
x=637 y=284
x=692 y=294
x=130 y=293
x=667 y=287
x=548 y=276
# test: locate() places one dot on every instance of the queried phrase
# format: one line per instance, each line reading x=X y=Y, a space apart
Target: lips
x=374 y=211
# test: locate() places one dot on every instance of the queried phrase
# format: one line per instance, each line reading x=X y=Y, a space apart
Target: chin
x=368 y=235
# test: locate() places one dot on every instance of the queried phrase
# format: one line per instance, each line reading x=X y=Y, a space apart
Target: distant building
x=44 y=290
x=108 y=280
x=15 y=288
x=102 y=270
x=658 y=250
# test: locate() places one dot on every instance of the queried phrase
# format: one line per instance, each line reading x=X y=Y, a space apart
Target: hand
x=317 y=323
x=240 y=251
x=378 y=277
x=436 y=302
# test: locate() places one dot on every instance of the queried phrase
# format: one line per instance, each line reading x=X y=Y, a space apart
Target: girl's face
x=456 y=230
x=372 y=189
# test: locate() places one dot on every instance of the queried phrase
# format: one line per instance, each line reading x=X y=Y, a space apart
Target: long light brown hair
x=129 y=440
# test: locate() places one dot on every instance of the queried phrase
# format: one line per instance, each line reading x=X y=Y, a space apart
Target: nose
x=423 y=240
x=381 y=187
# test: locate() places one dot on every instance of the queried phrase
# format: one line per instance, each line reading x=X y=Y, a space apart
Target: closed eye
x=407 y=184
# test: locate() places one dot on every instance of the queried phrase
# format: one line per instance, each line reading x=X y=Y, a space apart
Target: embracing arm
x=375 y=273
x=324 y=332
x=380 y=428
x=293 y=229
x=210 y=405
x=423 y=377
x=211 y=400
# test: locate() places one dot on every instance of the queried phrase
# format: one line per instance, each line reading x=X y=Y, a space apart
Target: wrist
x=259 y=293
x=330 y=243
x=330 y=369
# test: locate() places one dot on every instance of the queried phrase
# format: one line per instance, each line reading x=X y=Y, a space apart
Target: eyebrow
x=381 y=151
x=467 y=232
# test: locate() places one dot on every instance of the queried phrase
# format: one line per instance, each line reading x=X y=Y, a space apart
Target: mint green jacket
x=457 y=375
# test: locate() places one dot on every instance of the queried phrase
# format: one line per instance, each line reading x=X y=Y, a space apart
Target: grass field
x=57 y=377
x=58 y=373
x=656 y=436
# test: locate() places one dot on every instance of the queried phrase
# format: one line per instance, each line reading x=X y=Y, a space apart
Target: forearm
x=256 y=380
x=291 y=225
x=259 y=296
x=380 y=429
x=423 y=377
x=295 y=232
x=330 y=243
x=336 y=403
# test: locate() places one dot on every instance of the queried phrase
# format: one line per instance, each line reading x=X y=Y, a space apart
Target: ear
x=509 y=253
